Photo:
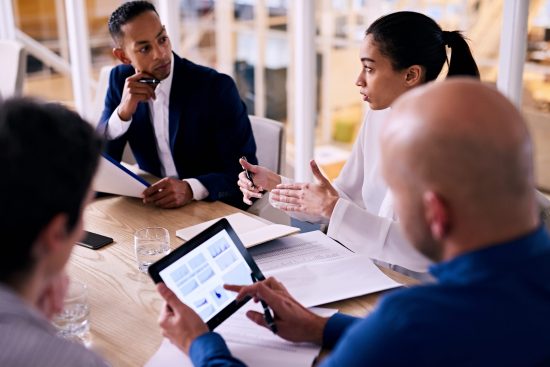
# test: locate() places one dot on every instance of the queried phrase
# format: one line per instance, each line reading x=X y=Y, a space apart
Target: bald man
x=458 y=159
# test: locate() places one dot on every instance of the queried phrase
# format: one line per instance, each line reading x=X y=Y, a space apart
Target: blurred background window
x=251 y=40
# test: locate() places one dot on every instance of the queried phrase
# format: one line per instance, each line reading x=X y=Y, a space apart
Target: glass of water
x=73 y=321
x=151 y=244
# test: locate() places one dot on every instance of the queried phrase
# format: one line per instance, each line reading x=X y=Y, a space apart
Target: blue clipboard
x=113 y=178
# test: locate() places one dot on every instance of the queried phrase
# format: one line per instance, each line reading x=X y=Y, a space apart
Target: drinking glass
x=73 y=321
x=151 y=244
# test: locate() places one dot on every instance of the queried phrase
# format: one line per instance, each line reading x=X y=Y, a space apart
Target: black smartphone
x=94 y=240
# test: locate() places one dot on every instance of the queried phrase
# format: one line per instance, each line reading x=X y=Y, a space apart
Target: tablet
x=197 y=271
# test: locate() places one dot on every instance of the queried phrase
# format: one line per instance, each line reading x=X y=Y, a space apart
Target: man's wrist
x=198 y=190
x=123 y=116
x=188 y=341
x=189 y=191
x=318 y=329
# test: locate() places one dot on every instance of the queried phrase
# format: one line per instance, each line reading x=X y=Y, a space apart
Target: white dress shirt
x=159 y=109
x=363 y=218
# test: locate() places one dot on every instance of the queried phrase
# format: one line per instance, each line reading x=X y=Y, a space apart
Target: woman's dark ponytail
x=461 y=61
x=408 y=38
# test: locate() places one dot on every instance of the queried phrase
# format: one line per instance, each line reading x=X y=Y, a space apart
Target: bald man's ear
x=437 y=216
x=121 y=55
x=413 y=76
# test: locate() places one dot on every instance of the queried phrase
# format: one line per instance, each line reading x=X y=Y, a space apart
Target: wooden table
x=124 y=303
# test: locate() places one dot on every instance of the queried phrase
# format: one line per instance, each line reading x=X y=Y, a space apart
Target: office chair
x=270 y=151
x=99 y=102
x=12 y=68
x=101 y=91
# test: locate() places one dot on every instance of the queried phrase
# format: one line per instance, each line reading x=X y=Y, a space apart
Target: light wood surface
x=124 y=303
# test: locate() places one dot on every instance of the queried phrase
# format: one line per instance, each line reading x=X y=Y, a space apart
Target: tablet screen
x=198 y=277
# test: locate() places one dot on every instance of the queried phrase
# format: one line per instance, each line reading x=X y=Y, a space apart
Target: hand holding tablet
x=197 y=271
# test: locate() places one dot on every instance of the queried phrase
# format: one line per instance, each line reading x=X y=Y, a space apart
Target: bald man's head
x=457 y=156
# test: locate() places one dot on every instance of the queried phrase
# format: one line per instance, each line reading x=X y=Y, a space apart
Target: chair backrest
x=99 y=103
x=12 y=68
x=270 y=143
x=270 y=150
x=100 y=93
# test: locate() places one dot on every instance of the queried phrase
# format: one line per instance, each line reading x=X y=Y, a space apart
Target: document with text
x=316 y=269
x=303 y=248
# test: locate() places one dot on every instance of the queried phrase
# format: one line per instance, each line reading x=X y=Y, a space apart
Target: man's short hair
x=125 y=13
x=48 y=156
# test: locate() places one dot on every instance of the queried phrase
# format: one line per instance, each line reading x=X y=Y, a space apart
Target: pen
x=247 y=173
x=267 y=313
x=150 y=81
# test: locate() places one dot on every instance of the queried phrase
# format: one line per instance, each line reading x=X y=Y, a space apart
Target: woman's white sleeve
x=379 y=237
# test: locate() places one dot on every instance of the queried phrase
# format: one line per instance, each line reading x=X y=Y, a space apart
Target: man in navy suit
x=183 y=121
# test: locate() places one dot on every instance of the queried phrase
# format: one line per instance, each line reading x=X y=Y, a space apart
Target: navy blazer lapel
x=177 y=100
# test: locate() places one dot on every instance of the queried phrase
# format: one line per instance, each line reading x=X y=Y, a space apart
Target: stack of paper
x=252 y=344
x=317 y=270
x=251 y=231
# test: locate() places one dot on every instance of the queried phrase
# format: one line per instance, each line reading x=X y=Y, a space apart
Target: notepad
x=251 y=231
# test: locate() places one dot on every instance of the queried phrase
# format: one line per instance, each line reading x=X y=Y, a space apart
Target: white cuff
x=286 y=180
x=358 y=229
x=199 y=191
x=116 y=126
x=378 y=237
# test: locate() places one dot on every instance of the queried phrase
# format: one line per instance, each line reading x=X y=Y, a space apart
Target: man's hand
x=50 y=301
x=294 y=322
x=311 y=198
x=264 y=180
x=133 y=93
x=179 y=323
x=168 y=193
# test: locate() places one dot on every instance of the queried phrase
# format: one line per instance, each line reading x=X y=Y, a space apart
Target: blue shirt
x=490 y=307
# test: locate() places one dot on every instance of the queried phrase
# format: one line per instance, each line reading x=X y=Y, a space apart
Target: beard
x=420 y=236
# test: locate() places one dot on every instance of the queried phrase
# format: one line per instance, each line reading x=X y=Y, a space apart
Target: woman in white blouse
x=400 y=51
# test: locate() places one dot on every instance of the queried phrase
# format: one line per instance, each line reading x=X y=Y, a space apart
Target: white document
x=310 y=247
x=251 y=231
x=317 y=270
x=113 y=178
x=318 y=283
x=252 y=344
